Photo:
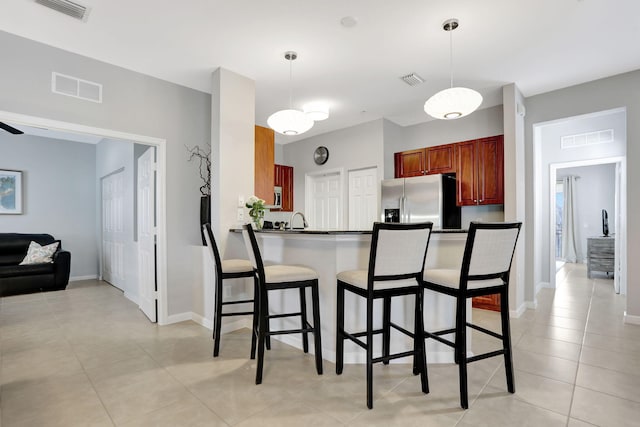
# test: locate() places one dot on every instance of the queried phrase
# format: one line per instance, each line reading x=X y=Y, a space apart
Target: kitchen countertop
x=332 y=232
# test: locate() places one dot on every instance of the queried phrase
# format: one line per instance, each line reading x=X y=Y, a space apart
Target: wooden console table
x=600 y=254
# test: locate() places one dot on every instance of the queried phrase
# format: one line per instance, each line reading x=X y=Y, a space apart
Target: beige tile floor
x=87 y=356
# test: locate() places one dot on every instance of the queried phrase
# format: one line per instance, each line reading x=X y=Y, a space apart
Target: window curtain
x=569 y=232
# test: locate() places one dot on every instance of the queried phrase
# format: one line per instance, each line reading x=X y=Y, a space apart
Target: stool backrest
x=489 y=251
x=213 y=247
x=398 y=251
x=253 y=249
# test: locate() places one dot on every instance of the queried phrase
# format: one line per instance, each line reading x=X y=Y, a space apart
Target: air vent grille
x=588 y=138
x=412 y=79
x=67 y=7
x=76 y=88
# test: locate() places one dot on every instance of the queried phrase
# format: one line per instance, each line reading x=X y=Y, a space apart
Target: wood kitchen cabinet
x=264 y=164
x=425 y=161
x=480 y=171
x=487 y=302
x=283 y=177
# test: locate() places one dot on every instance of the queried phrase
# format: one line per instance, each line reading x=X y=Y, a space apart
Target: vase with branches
x=202 y=156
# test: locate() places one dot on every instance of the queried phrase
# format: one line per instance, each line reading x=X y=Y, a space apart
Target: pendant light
x=290 y=122
x=454 y=102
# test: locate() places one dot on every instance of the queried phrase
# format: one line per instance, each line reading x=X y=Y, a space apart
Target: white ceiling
x=541 y=45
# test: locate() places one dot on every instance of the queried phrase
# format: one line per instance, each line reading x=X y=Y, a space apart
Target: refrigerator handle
x=404 y=215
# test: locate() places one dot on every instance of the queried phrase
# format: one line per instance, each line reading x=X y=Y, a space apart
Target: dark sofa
x=23 y=279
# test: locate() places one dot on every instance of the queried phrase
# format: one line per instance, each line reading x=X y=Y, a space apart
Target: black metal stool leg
x=256 y=317
x=217 y=317
x=506 y=340
x=317 y=326
x=340 y=330
x=303 y=319
x=461 y=350
x=386 y=328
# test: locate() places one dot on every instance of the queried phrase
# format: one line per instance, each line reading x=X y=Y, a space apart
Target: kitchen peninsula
x=332 y=251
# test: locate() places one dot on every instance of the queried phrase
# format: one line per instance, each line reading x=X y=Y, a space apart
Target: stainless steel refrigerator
x=419 y=199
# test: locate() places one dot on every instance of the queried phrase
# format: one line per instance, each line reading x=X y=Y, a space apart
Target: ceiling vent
x=67 y=7
x=412 y=79
x=588 y=138
x=76 y=88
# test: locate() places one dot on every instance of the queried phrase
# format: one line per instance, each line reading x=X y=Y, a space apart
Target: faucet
x=304 y=220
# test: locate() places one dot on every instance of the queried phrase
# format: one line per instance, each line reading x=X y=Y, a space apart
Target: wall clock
x=321 y=155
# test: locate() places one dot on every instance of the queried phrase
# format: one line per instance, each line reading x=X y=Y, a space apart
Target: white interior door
x=113 y=233
x=147 y=295
x=363 y=198
x=325 y=201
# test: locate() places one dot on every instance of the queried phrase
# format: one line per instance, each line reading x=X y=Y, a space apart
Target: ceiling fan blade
x=10 y=129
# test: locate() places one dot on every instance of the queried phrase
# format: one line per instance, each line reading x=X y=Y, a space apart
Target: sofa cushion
x=38 y=254
x=13 y=246
x=25 y=270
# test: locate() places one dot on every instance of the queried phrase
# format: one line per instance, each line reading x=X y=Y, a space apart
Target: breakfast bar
x=329 y=252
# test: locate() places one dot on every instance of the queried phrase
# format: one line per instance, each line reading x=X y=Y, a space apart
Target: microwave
x=277 y=197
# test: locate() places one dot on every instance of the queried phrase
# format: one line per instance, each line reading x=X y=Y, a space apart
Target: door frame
x=161 y=185
x=308 y=191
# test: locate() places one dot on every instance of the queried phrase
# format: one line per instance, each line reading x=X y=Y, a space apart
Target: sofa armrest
x=62 y=267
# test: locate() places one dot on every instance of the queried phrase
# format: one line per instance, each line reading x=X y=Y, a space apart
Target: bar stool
x=485 y=271
x=279 y=277
x=396 y=265
x=229 y=269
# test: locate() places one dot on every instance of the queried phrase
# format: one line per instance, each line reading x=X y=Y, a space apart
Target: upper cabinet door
x=441 y=159
x=490 y=170
x=410 y=163
x=264 y=164
x=466 y=173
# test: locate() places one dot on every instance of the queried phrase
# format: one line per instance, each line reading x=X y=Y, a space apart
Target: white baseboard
x=630 y=319
x=79 y=278
x=227 y=326
x=519 y=311
x=131 y=297
x=541 y=285
x=177 y=318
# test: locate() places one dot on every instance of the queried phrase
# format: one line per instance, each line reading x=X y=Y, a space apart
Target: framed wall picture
x=10 y=192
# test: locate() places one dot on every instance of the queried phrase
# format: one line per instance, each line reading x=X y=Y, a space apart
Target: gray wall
x=132 y=103
x=59 y=195
x=356 y=147
x=594 y=191
x=600 y=95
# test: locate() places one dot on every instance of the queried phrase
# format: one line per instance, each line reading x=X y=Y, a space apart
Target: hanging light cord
x=290 y=83
x=451 y=53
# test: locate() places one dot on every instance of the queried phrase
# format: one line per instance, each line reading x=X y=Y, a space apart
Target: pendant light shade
x=290 y=122
x=454 y=102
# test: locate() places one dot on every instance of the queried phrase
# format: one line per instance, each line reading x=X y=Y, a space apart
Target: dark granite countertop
x=331 y=232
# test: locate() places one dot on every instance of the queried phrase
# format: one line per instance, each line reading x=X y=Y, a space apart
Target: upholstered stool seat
x=396 y=266
x=486 y=265
x=229 y=269
x=237 y=266
x=280 y=277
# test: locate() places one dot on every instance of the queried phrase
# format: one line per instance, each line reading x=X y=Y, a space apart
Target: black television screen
x=605 y=223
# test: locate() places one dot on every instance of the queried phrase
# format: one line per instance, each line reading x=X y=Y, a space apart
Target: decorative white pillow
x=37 y=254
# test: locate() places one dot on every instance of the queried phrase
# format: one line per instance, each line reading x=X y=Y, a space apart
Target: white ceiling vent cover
x=412 y=79
x=588 y=138
x=76 y=88
x=67 y=7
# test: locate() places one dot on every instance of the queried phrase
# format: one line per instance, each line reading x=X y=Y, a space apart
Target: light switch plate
x=241 y=201
x=240 y=214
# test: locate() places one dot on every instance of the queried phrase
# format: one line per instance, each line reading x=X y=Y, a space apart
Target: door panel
x=363 y=198
x=410 y=163
x=326 y=203
x=113 y=234
x=466 y=177
x=490 y=170
x=146 y=235
x=441 y=159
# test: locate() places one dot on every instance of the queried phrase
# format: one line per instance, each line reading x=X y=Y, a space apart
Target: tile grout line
x=584 y=337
